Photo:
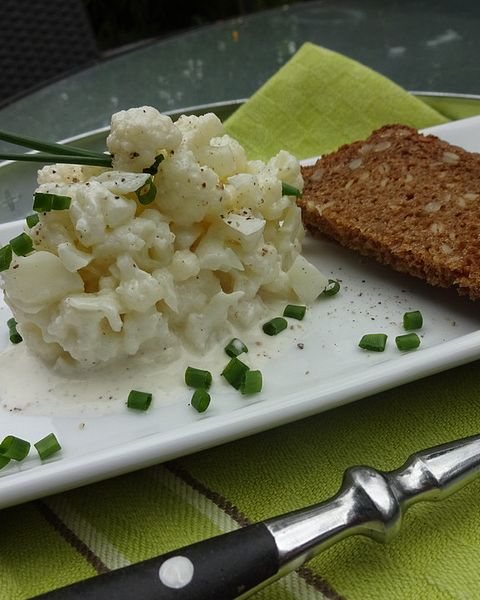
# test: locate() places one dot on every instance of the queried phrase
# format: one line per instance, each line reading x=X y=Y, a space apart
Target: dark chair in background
x=41 y=40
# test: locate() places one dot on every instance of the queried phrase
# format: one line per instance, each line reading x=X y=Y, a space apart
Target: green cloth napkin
x=320 y=100
x=316 y=102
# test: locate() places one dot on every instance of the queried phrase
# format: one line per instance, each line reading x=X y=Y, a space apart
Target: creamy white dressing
x=29 y=386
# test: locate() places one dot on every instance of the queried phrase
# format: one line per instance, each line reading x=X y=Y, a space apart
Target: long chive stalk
x=100 y=160
x=52 y=147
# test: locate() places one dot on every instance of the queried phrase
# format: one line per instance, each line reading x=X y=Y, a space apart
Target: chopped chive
x=412 y=320
x=15 y=337
x=32 y=220
x=333 y=287
x=146 y=194
x=139 y=400
x=47 y=446
x=42 y=202
x=294 y=312
x=153 y=169
x=234 y=372
x=100 y=160
x=61 y=202
x=373 y=341
x=251 y=383
x=14 y=448
x=408 y=341
x=235 y=347
x=198 y=378
x=22 y=244
x=5 y=257
x=275 y=326
x=200 y=400
x=3 y=461
x=290 y=190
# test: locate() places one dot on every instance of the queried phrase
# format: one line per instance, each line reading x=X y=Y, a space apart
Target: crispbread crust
x=409 y=200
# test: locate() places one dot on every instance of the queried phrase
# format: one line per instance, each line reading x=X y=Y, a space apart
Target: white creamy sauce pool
x=29 y=387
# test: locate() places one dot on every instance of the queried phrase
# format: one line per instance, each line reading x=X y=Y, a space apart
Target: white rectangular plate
x=329 y=371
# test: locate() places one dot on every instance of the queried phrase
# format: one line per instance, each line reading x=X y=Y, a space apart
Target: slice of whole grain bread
x=410 y=201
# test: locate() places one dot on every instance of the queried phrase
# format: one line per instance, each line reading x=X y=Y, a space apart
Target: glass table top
x=422 y=45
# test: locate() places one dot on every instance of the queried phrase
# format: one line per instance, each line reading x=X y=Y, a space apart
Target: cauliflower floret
x=224 y=155
x=138 y=135
x=167 y=284
x=287 y=168
x=148 y=241
x=63 y=173
x=192 y=296
x=186 y=191
x=198 y=131
x=186 y=236
x=113 y=276
x=94 y=208
x=245 y=191
x=185 y=264
x=147 y=330
x=205 y=137
x=283 y=167
x=138 y=290
x=288 y=237
x=87 y=326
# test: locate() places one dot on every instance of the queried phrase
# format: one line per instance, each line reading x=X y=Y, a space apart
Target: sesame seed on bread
x=409 y=200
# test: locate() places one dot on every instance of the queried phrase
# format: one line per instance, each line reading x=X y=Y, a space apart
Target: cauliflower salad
x=181 y=243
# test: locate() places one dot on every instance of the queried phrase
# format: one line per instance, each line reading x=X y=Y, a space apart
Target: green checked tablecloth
x=314 y=103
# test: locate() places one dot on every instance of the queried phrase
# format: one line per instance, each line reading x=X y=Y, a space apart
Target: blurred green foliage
x=120 y=22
